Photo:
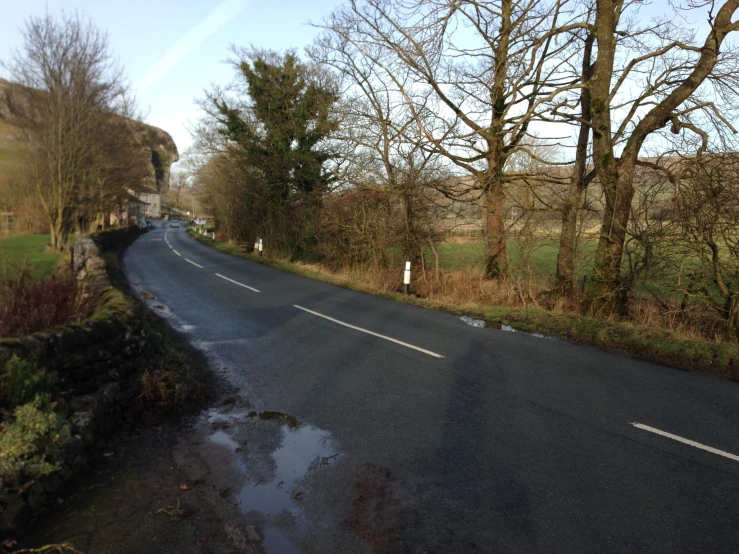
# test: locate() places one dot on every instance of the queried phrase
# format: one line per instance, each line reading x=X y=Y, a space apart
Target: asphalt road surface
x=452 y=438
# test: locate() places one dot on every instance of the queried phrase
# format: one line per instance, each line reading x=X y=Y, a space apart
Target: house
x=149 y=200
x=7 y=222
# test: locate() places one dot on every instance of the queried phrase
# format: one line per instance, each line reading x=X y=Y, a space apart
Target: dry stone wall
x=98 y=366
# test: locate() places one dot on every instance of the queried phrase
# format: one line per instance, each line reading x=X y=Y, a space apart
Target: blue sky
x=173 y=50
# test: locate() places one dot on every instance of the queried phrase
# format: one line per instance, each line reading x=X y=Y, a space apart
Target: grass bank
x=644 y=342
x=15 y=251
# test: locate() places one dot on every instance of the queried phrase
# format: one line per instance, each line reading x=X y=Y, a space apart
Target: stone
x=111 y=392
x=16 y=515
x=35 y=497
x=252 y=534
x=51 y=483
x=74 y=447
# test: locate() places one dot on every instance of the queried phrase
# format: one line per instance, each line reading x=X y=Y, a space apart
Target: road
x=452 y=438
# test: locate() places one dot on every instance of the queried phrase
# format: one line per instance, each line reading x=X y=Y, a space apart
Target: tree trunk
x=59 y=238
x=568 y=236
x=732 y=317
x=573 y=200
x=606 y=294
x=496 y=261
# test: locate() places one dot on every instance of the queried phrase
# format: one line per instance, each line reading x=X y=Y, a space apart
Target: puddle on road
x=291 y=421
x=303 y=449
x=482 y=324
x=272 y=453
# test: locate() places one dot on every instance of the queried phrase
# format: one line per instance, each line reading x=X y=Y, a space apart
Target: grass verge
x=31 y=249
x=648 y=343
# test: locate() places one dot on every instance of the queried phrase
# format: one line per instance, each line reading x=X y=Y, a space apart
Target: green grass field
x=14 y=251
x=542 y=255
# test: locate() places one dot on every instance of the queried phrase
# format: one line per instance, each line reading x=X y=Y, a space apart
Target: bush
x=28 y=305
x=116 y=239
x=21 y=380
x=31 y=446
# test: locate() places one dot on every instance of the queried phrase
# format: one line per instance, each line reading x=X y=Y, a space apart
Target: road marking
x=175 y=251
x=396 y=341
x=237 y=283
x=687 y=441
x=193 y=263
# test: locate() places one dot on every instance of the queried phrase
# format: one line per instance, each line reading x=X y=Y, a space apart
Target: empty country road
x=436 y=436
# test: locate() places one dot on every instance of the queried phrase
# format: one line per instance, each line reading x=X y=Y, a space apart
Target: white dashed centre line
x=686 y=441
x=175 y=251
x=396 y=341
x=193 y=263
x=236 y=282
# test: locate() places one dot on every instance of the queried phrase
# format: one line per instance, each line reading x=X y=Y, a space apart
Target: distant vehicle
x=175 y=224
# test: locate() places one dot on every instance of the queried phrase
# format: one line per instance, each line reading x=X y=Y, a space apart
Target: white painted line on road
x=193 y=263
x=687 y=441
x=175 y=251
x=237 y=283
x=396 y=341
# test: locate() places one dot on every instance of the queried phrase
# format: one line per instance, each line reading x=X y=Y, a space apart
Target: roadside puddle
x=482 y=324
x=259 y=461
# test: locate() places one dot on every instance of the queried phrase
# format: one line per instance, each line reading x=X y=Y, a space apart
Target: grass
x=14 y=251
x=644 y=342
x=9 y=151
x=543 y=255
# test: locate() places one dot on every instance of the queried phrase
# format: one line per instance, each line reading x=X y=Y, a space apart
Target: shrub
x=30 y=446
x=21 y=380
x=28 y=305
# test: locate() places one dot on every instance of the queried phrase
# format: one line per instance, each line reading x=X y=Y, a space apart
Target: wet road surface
x=373 y=426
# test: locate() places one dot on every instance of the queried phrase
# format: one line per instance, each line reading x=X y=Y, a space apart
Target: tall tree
x=281 y=128
x=378 y=141
x=654 y=76
x=69 y=86
x=579 y=178
x=475 y=76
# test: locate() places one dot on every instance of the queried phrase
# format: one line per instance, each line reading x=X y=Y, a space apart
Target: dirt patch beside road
x=141 y=501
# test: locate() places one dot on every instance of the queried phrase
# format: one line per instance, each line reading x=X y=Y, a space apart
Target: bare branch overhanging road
x=488 y=441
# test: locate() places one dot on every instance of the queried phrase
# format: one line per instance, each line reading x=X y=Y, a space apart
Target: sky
x=174 y=50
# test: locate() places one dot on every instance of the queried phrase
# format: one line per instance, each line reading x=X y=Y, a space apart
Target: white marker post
x=214 y=235
x=261 y=247
x=407 y=278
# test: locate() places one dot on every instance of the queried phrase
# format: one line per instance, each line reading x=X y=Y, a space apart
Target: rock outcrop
x=158 y=149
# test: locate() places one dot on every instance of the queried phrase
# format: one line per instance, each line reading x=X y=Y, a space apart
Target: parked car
x=175 y=224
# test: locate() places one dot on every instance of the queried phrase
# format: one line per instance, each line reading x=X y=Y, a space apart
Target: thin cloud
x=220 y=16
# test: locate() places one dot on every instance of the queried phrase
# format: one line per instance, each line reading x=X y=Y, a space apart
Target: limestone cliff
x=158 y=149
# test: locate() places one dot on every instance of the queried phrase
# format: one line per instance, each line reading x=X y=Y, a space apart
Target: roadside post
x=261 y=247
x=214 y=235
x=407 y=278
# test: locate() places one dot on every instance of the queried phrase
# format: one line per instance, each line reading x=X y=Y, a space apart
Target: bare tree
x=475 y=75
x=70 y=86
x=580 y=176
x=379 y=143
x=646 y=78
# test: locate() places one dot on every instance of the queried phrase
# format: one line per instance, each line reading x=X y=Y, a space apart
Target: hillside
x=158 y=149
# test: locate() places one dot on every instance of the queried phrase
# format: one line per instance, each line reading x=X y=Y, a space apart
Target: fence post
x=407 y=278
x=261 y=247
